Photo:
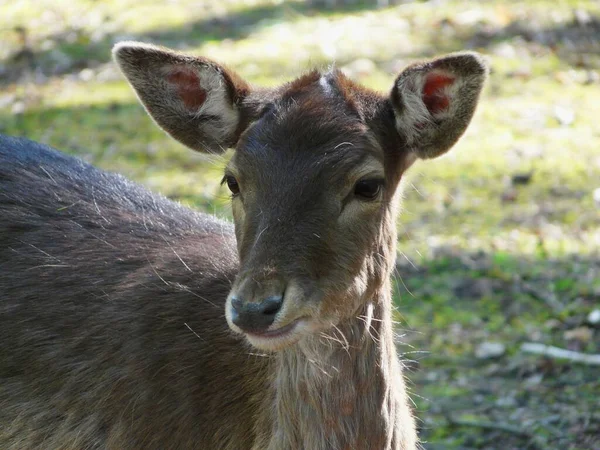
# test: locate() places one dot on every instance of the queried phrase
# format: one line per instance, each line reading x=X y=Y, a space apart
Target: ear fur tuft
x=434 y=101
x=193 y=99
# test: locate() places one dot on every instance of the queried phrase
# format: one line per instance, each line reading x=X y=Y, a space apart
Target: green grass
x=482 y=259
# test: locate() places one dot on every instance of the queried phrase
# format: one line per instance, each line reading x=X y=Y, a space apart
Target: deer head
x=314 y=175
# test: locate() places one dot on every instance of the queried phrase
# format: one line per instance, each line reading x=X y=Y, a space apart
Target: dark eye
x=232 y=184
x=368 y=189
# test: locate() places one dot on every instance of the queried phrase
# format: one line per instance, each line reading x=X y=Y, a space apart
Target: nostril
x=255 y=317
x=237 y=304
x=271 y=305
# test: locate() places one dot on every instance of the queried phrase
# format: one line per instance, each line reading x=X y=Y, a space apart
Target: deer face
x=313 y=178
x=311 y=201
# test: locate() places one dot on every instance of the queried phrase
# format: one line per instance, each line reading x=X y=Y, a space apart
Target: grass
x=484 y=258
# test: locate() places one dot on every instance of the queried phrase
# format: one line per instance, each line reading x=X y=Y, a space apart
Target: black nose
x=255 y=316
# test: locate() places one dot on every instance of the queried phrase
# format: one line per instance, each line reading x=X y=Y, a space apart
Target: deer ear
x=434 y=101
x=193 y=99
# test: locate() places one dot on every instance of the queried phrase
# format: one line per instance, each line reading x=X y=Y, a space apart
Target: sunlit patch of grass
x=456 y=200
x=89 y=94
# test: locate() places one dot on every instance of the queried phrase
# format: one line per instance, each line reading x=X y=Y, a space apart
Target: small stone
x=359 y=68
x=565 y=116
x=509 y=195
x=592 y=77
x=490 y=350
x=534 y=380
x=552 y=324
x=593 y=318
x=505 y=50
x=507 y=401
x=7 y=100
x=86 y=75
x=18 y=108
x=582 y=17
x=470 y=17
x=596 y=195
x=580 y=334
x=432 y=376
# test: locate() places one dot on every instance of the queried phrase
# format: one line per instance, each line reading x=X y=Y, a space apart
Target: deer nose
x=251 y=316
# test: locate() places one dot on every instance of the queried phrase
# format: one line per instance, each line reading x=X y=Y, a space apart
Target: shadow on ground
x=459 y=304
x=575 y=41
x=82 y=52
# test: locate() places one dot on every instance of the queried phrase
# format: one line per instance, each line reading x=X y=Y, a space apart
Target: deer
x=128 y=321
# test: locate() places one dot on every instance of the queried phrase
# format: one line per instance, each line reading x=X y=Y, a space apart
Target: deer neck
x=344 y=390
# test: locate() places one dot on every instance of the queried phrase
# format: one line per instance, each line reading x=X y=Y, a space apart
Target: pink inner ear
x=433 y=95
x=188 y=87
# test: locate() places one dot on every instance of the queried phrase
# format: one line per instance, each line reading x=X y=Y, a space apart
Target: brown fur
x=115 y=302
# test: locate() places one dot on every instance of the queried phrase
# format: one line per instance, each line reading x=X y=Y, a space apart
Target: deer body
x=104 y=360
x=126 y=319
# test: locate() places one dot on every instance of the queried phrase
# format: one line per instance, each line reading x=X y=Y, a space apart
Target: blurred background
x=499 y=240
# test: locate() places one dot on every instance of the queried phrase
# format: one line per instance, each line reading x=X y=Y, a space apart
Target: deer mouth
x=276 y=339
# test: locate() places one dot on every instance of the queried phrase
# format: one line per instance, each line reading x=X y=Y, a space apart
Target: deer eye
x=368 y=189
x=232 y=184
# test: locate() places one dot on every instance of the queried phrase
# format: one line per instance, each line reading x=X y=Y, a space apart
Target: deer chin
x=281 y=337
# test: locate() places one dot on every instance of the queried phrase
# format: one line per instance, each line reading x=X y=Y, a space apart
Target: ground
x=499 y=240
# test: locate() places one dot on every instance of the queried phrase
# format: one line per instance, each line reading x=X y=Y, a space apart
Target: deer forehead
x=323 y=159
x=309 y=129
